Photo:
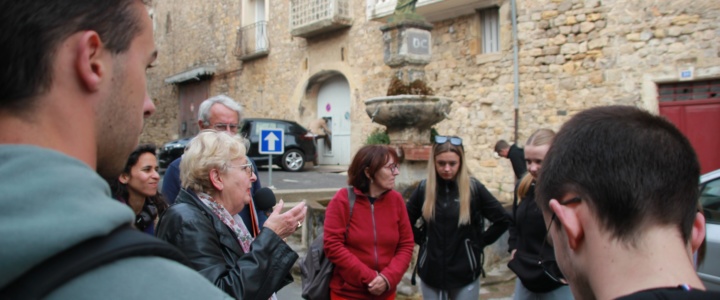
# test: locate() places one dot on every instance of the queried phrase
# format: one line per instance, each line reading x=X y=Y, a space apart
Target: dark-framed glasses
x=226 y=127
x=441 y=139
x=392 y=167
x=550 y=266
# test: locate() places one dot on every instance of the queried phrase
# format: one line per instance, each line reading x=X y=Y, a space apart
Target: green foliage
x=433 y=133
x=378 y=137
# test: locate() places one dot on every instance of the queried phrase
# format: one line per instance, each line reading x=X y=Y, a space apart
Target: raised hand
x=285 y=224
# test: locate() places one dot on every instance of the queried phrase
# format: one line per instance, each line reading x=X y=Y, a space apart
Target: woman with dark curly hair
x=137 y=187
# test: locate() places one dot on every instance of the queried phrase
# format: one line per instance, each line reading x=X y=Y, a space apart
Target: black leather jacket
x=215 y=252
x=450 y=256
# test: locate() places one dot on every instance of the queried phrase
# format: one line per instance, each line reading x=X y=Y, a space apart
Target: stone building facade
x=572 y=55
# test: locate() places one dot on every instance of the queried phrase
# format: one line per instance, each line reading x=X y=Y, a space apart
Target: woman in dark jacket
x=528 y=231
x=137 y=187
x=203 y=223
x=450 y=207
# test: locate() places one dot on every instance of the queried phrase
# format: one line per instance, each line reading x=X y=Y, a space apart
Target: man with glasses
x=618 y=191
x=221 y=113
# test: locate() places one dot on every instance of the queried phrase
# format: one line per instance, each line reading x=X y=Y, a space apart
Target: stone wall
x=573 y=54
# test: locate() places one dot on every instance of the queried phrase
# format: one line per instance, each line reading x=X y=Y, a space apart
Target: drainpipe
x=516 y=76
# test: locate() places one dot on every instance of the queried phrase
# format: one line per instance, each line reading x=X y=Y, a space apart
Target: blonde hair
x=210 y=149
x=540 y=137
x=463 y=182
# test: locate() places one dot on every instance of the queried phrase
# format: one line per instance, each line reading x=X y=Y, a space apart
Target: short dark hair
x=501 y=145
x=633 y=169
x=32 y=30
x=372 y=157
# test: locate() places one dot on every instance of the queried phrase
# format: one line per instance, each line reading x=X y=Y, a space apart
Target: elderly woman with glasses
x=370 y=246
x=216 y=178
x=447 y=212
x=528 y=234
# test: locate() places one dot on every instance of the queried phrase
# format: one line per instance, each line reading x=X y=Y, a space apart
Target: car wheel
x=293 y=160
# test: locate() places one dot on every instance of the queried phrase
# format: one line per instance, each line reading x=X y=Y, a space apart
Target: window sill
x=486 y=58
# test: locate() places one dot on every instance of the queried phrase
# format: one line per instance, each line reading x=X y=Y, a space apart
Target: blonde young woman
x=452 y=206
x=528 y=230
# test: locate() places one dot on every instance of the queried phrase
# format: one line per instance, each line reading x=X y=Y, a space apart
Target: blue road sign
x=272 y=141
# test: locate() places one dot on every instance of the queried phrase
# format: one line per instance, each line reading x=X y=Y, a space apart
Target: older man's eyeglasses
x=441 y=139
x=226 y=127
x=550 y=266
x=246 y=167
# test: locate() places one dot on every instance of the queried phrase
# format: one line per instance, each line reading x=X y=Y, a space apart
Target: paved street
x=311 y=177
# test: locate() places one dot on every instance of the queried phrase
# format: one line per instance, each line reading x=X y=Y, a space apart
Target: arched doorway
x=333 y=101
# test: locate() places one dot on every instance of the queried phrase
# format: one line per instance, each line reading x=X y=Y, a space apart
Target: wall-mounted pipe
x=516 y=75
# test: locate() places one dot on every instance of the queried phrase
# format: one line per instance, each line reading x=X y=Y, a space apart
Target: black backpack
x=316 y=270
x=123 y=242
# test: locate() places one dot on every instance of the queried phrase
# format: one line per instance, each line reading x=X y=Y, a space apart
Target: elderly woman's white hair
x=210 y=149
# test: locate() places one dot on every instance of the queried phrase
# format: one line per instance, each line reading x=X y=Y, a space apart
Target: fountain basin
x=408 y=111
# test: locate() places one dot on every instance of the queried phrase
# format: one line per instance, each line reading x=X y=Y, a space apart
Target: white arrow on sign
x=271 y=139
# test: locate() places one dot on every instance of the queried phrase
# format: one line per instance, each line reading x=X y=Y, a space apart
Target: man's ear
x=697 y=235
x=89 y=63
x=567 y=216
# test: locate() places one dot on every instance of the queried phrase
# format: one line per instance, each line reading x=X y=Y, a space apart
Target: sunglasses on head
x=441 y=139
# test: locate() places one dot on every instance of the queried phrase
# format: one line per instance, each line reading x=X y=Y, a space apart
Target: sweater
x=51 y=202
x=379 y=240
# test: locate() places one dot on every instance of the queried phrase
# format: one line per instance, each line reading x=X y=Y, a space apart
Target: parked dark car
x=299 y=143
x=171 y=151
x=709 y=271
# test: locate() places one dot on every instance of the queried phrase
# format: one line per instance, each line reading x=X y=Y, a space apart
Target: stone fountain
x=410 y=109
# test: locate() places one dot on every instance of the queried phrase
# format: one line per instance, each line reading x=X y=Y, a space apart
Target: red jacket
x=382 y=228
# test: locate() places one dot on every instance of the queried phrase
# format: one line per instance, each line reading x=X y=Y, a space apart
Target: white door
x=334 y=102
x=260 y=33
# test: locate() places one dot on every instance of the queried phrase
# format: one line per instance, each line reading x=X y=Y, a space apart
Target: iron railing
x=252 y=41
x=308 y=17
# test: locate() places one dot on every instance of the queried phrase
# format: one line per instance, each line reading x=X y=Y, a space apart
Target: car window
x=260 y=125
x=296 y=129
x=710 y=201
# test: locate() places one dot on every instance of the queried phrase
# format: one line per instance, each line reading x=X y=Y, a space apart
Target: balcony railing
x=252 y=41
x=432 y=10
x=312 y=17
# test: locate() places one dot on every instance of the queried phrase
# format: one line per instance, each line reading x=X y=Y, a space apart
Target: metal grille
x=303 y=12
x=252 y=40
x=692 y=90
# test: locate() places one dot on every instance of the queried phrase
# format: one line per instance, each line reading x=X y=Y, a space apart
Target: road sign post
x=272 y=141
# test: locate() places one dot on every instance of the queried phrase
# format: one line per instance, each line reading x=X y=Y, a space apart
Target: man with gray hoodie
x=72 y=102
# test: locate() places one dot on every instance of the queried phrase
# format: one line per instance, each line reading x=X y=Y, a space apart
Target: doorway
x=333 y=102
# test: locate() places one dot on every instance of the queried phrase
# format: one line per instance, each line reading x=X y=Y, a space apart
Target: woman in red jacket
x=372 y=257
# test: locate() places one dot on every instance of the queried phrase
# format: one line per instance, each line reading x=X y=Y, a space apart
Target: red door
x=694 y=107
x=191 y=95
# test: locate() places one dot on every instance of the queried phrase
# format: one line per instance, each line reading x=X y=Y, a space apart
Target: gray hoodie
x=50 y=202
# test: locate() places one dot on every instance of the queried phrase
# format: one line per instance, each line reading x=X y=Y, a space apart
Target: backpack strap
x=123 y=242
x=421 y=189
x=476 y=216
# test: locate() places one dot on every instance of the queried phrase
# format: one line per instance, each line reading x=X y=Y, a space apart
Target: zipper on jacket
x=372 y=213
x=470 y=255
